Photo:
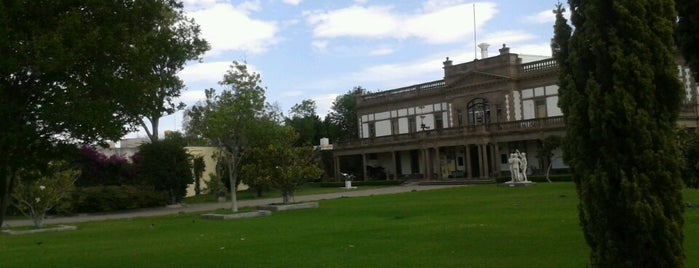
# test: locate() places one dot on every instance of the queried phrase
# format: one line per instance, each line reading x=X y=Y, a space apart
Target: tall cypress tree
x=620 y=96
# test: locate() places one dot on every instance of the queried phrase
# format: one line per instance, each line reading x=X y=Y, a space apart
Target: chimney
x=484 y=50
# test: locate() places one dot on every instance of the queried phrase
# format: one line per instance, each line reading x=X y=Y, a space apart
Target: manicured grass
x=476 y=226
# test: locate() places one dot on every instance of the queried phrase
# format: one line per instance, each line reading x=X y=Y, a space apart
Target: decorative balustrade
x=416 y=89
x=539 y=65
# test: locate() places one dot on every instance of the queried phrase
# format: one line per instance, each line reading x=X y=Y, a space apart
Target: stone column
x=480 y=160
x=497 y=159
x=438 y=166
x=486 y=162
x=426 y=163
x=336 y=168
x=467 y=153
x=364 y=166
x=395 y=166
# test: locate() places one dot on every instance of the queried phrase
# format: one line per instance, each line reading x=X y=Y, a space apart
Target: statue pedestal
x=517 y=184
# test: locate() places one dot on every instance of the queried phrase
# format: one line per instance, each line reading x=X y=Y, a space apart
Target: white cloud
x=210 y=73
x=292 y=2
x=354 y=21
x=230 y=28
x=440 y=22
x=324 y=103
x=507 y=37
x=292 y=93
x=192 y=96
x=381 y=51
x=320 y=45
x=541 y=49
x=435 y=5
x=546 y=16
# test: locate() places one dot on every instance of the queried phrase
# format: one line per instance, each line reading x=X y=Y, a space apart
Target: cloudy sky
x=318 y=49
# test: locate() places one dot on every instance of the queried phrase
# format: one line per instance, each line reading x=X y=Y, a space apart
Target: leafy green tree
x=69 y=74
x=306 y=122
x=620 y=96
x=283 y=167
x=341 y=122
x=686 y=34
x=258 y=167
x=228 y=120
x=171 y=43
x=165 y=166
x=37 y=193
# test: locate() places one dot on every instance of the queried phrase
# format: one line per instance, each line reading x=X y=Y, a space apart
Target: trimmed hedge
x=115 y=198
x=362 y=183
x=541 y=178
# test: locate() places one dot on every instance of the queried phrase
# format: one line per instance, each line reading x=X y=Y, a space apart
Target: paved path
x=213 y=206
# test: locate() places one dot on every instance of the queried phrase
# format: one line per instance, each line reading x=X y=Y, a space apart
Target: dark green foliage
x=306 y=122
x=686 y=34
x=69 y=71
x=165 y=166
x=115 y=198
x=198 y=167
x=341 y=122
x=689 y=142
x=620 y=96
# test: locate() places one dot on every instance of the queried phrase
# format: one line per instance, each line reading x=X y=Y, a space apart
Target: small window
x=372 y=130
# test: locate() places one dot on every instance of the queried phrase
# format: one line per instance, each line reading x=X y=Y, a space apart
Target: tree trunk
x=234 y=186
x=5 y=194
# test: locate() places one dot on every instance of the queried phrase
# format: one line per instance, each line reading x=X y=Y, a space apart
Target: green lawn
x=478 y=226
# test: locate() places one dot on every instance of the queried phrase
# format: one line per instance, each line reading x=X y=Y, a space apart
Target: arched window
x=478 y=112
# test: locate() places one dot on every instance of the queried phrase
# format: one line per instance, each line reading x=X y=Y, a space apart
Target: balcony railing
x=485 y=129
x=414 y=89
x=539 y=65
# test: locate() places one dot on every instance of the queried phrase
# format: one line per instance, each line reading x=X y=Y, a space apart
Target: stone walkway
x=214 y=206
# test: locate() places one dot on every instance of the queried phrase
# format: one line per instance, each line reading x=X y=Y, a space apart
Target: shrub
x=98 y=169
x=36 y=197
x=165 y=166
x=115 y=198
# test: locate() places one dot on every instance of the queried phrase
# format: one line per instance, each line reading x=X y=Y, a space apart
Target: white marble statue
x=515 y=165
x=523 y=166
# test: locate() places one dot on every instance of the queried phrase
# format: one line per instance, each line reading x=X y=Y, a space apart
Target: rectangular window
x=372 y=130
x=540 y=108
x=394 y=126
x=459 y=117
x=412 y=124
x=438 y=121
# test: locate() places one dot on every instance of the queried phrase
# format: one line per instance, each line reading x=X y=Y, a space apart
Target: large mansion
x=467 y=124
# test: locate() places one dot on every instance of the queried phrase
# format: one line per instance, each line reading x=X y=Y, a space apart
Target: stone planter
x=59 y=228
x=282 y=207
x=243 y=215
